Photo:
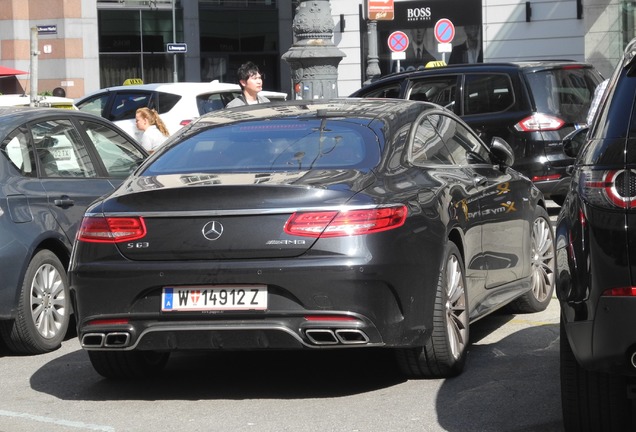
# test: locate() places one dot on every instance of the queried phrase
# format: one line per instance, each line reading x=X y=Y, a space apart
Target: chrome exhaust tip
x=117 y=339
x=93 y=340
x=352 y=336
x=321 y=336
x=632 y=359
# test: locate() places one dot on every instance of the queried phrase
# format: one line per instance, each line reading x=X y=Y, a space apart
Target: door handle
x=64 y=202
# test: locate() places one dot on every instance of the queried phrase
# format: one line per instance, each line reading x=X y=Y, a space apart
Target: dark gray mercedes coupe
x=324 y=224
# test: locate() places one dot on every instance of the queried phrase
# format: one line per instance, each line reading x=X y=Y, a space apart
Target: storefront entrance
x=133 y=43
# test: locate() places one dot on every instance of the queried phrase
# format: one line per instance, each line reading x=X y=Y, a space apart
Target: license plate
x=62 y=154
x=214 y=298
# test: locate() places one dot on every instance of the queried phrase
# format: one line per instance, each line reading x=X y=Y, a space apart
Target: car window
x=165 y=102
x=94 y=105
x=464 y=147
x=125 y=105
x=214 y=101
x=272 y=145
x=60 y=150
x=487 y=93
x=119 y=156
x=566 y=93
x=439 y=90
x=427 y=146
x=16 y=149
x=388 y=91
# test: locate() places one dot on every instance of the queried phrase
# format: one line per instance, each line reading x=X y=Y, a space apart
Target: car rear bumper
x=554 y=188
x=273 y=333
x=314 y=303
x=607 y=343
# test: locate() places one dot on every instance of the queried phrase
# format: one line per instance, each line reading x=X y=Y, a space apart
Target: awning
x=7 y=71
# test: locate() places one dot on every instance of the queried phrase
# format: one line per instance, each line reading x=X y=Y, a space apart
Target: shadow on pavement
x=229 y=375
x=510 y=385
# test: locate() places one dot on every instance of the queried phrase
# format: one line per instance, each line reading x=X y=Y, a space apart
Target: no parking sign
x=444 y=31
x=398 y=41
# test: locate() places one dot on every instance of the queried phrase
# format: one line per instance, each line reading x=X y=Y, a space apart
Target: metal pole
x=34 y=67
x=141 y=43
x=175 y=75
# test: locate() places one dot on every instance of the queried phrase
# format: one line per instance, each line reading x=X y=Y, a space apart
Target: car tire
x=592 y=401
x=43 y=310
x=543 y=276
x=444 y=354
x=128 y=364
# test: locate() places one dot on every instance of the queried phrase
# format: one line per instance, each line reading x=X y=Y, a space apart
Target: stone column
x=313 y=58
x=373 y=66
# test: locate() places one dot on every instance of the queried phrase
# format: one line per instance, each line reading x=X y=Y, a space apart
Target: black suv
x=596 y=264
x=532 y=105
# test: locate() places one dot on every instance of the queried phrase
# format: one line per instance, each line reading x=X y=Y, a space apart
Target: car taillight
x=539 y=122
x=321 y=318
x=550 y=177
x=620 y=292
x=569 y=67
x=111 y=229
x=117 y=321
x=609 y=188
x=185 y=122
x=345 y=223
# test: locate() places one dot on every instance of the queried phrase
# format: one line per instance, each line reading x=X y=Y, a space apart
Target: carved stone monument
x=314 y=58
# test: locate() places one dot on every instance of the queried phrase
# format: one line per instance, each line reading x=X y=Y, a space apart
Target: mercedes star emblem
x=212 y=230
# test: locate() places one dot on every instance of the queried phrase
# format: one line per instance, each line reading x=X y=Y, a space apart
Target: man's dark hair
x=59 y=91
x=246 y=71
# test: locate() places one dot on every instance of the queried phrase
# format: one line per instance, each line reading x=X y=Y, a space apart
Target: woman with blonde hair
x=154 y=130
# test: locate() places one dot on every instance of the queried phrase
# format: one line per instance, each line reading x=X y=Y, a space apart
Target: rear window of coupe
x=274 y=145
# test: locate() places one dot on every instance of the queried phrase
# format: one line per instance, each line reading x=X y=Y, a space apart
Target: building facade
x=84 y=45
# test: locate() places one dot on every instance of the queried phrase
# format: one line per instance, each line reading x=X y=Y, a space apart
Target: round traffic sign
x=398 y=41
x=444 y=30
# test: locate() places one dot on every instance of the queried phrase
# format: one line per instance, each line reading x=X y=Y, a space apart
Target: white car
x=177 y=103
x=41 y=101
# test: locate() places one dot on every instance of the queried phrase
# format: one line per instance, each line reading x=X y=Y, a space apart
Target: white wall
x=86 y=29
x=554 y=31
x=349 y=69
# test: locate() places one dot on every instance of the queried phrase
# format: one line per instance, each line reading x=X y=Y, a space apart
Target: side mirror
x=574 y=141
x=502 y=152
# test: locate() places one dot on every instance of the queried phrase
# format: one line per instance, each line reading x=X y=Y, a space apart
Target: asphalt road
x=511 y=383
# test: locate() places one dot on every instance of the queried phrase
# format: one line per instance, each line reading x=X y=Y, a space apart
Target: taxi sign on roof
x=435 y=63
